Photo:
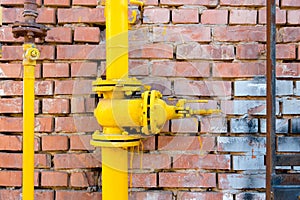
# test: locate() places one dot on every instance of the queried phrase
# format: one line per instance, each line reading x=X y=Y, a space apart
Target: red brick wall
x=185 y=48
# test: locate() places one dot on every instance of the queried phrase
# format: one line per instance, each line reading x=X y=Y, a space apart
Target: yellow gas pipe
x=128 y=109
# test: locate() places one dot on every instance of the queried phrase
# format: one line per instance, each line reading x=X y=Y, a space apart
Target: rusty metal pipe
x=271 y=97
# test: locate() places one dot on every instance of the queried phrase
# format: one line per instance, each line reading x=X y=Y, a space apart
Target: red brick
x=77 y=161
x=201 y=195
x=59 y=35
x=55 y=143
x=11 y=105
x=10 y=124
x=87 y=34
x=73 y=87
x=285 y=51
x=76 y=124
x=181 y=33
x=214 y=17
x=12 y=3
x=186 y=125
x=8 y=70
x=138 y=67
x=10 y=194
x=185 y=16
x=158 y=83
x=54 y=179
x=44 y=194
x=148 y=143
x=56 y=106
x=288 y=70
x=156 y=15
x=16 y=52
x=150 y=2
x=280 y=16
x=202 y=88
x=243 y=3
x=290 y=3
x=80 y=52
x=181 y=69
x=293 y=17
x=55 y=70
x=186 y=180
x=44 y=124
x=10 y=178
x=81 y=15
x=85 y=2
x=242 y=17
x=240 y=33
x=157 y=195
x=84 y=179
x=186 y=143
x=10 y=15
x=204 y=51
x=64 y=3
x=10 y=143
x=83 y=105
x=208 y=161
x=7 y=35
x=289 y=34
x=151 y=161
x=46 y=16
x=231 y=70
x=14 y=160
x=43 y=88
x=157 y=50
x=143 y=180
x=250 y=51
x=81 y=142
x=189 y=2
x=75 y=195
x=84 y=69
x=213 y=124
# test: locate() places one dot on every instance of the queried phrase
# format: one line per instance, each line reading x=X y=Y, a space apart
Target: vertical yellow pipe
x=114 y=174
x=116 y=13
x=30 y=55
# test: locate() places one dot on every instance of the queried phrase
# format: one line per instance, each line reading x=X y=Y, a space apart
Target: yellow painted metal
x=31 y=54
x=116 y=14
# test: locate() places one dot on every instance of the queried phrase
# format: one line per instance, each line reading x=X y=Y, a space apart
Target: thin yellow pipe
x=30 y=55
x=116 y=14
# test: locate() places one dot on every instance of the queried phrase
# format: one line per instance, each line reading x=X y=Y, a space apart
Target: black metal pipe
x=271 y=97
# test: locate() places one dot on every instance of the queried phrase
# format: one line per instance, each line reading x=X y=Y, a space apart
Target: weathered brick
x=242 y=17
x=87 y=34
x=286 y=51
x=73 y=87
x=240 y=33
x=10 y=143
x=84 y=69
x=181 y=195
x=56 y=70
x=77 y=161
x=244 y=125
x=280 y=16
x=189 y=2
x=297 y=90
x=293 y=17
x=54 y=179
x=55 y=143
x=10 y=15
x=80 y=52
x=46 y=15
x=186 y=125
x=156 y=15
x=185 y=16
x=157 y=50
x=85 y=2
x=241 y=181
x=186 y=143
x=288 y=70
x=208 y=161
x=250 y=51
x=76 y=124
x=8 y=36
x=245 y=195
x=214 y=17
x=81 y=142
x=243 y=3
x=14 y=178
x=81 y=15
x=64 y=3
x=144 y=180
x=11 y=105
x=295 y=123
x=196 y=179
x=138 y=68
x=10 y=124
x=241 y=70
x=213 y=124
x=290 y=3
x=59 y=35
x=182 y=34
x=205 y=52
x=252 y=145
x=289 y=34
x=288 y=107
x=288 y=144
x=157 y=195
x=282 y=125
x=258 y=87
x=157 y=83
x=151 y=161
x=202 y=88
x=44 y=124
x=8 y=70
x=10 y=194
x=56 y=106
x=84 y=179
x=14 y=160
x=75 y=195
x=251 y=162
x=82 y=105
